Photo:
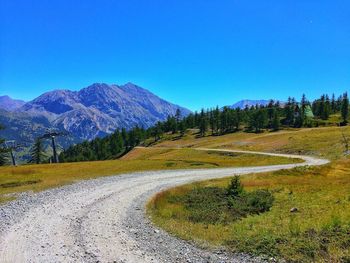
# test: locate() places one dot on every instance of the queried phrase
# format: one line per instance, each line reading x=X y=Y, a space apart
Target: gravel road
x=103 y=220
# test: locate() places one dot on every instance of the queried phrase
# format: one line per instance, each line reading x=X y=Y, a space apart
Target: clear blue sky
x=195 y=53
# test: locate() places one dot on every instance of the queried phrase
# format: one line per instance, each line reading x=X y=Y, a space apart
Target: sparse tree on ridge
x=345 y=108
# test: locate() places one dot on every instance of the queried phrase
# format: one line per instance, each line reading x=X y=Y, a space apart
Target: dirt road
x=103 y=220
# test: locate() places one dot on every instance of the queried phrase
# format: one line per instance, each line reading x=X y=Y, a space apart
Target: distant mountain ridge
x=244 y=103
x=9 y=104
x=100 y=109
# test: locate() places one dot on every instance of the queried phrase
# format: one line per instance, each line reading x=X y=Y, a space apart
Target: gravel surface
x=103 y=220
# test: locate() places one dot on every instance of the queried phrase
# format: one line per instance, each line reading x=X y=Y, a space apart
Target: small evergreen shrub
x=214 y=205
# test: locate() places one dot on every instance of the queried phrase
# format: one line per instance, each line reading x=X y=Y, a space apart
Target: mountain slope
x=100 y=109
x=24 y=128
x=9 y=104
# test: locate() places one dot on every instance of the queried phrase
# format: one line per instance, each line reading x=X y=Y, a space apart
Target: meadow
x=324 y=142
x=40 y=177
x=318 y=232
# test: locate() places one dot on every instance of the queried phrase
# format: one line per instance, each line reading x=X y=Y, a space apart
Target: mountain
x=244 y=103
x=9 y=104
x=24 y=128
x=100 y=109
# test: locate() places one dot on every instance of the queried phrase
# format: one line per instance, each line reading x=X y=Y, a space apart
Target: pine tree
x=345 y=108
x=157 y=131
x=299 y=117
x=189 y=121
x=275 y=120
x=238 y=118
x=2 y=149
x=37 y=154
x=270 y=111
x=217 y=119
x=304 y=103
x=235 y=188
x=115 y=144
x=212 y=122
x=258 y=119
x=333 y=104
x=224 y=120
x=182 y=128
x=289 y=112
x=203 y=123
x=327 y=108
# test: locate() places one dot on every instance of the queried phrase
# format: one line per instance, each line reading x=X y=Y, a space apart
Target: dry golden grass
x=40 y=177
x=324 y=142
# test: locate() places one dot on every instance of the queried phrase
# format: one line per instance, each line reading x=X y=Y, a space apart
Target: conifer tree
x=37 y=154
x=299 y=117
x=333 y=104
x=270 y=111
x=258 y=119
x=327 y=108
x=2 y=149
x=212 y=122
x=345 y=108
x=182 y=128
x=217 y=119
x=157 y=131
x=224 y=120
x=203 y=123
x=275 y=120
x=289 y=112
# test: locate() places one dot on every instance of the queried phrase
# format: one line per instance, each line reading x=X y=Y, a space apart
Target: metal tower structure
x=51 y=134
x=10 y=146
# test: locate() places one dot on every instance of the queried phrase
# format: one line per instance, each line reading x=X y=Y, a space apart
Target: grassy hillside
x=40 y=177
x=324 y=142
x=319 y=231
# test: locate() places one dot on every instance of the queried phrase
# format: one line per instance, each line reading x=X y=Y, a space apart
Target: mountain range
x=91 y=112
x=9 y=104
x=249 y=103
x=96 y=110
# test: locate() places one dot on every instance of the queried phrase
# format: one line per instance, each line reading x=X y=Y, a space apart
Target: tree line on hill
x=274 y=116
x=109 y=147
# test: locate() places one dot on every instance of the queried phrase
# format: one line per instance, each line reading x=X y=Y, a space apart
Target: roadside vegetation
x=212 y=205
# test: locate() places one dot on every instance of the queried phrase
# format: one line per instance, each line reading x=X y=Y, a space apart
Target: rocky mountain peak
x=101 y=108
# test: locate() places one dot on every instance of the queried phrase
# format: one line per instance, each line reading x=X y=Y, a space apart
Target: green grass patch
x=212 y=205
x=18 y=183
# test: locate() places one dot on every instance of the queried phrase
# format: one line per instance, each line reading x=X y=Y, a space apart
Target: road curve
x=103 y=220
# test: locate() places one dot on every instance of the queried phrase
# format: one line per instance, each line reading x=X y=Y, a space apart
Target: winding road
x=103 y=220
